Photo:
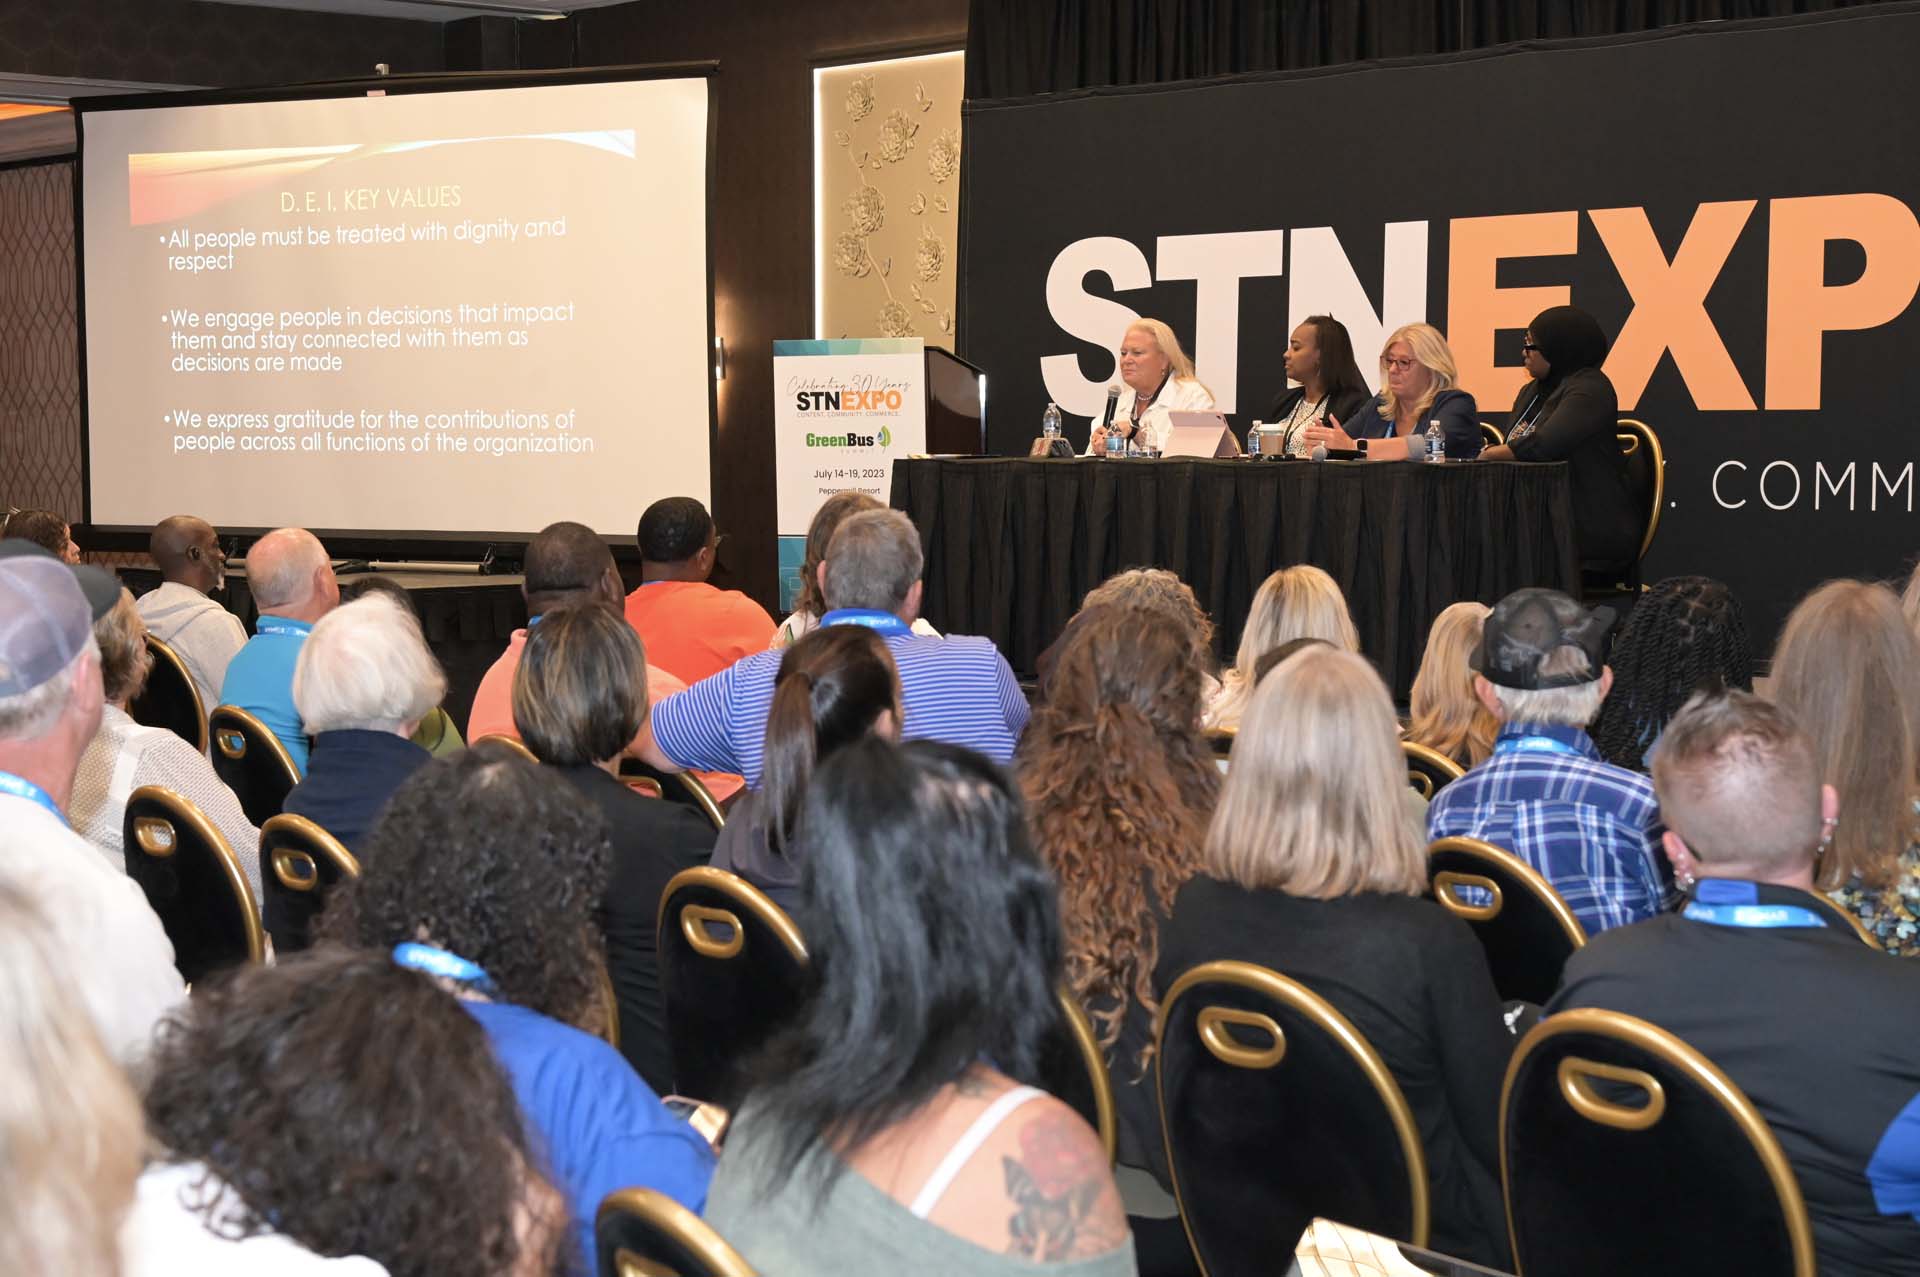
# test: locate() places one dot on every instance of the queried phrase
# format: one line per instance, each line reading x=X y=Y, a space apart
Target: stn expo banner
x=1735 y=203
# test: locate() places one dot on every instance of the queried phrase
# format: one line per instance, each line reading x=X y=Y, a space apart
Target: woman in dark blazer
x=1419 y=385
x=1319 y=357
x=579 y=696
x=1568 y=412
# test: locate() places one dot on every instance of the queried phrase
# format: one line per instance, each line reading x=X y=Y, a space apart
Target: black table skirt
x=1013 y=545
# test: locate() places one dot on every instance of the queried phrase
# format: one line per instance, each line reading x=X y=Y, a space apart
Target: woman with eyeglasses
x=1568 y=412
x=1419 y=380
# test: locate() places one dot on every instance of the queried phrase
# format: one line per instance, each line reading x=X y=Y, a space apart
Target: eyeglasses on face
x=1526 y=346
x=1397 y=365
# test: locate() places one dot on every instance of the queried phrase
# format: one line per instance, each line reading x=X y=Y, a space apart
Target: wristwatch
x=1360 y=446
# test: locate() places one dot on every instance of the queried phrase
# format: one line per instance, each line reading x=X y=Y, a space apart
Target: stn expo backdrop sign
x=1735 y=203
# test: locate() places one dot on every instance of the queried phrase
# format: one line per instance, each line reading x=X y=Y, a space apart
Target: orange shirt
x=693 y=630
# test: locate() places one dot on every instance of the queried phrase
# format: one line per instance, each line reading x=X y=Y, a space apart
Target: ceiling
x=432 y=10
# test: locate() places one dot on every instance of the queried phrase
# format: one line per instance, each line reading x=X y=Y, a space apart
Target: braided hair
x=1684 y=634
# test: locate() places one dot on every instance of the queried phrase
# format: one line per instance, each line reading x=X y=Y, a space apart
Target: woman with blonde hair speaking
x=1294 y=603
x=1419 y=386
x=1158 y=381
x=1318 y=873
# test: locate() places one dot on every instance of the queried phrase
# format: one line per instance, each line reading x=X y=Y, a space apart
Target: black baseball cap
x=101 y=587
x=1528 y=625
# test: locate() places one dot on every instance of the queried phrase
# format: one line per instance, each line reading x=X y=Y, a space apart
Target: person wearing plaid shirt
x=1591 y=829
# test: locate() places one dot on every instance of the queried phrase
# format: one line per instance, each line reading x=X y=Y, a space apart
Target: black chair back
x=684 y=788
x=1526 y=929
x=170 y=699
x=252 y=762
x=1277 y=1111
x=1490 y=435
x=1607 y=1122
x=642 y=1233
x=512 y=744
x=1647 y=481
x=1428 y=770
x=1073 y=1069
x=193 y=881
x=299 y=864
x=733 y=968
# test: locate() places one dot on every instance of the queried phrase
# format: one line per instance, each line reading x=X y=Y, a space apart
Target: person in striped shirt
x=957 y=689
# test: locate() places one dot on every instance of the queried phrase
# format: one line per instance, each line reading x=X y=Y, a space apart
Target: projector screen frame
x=389 y=543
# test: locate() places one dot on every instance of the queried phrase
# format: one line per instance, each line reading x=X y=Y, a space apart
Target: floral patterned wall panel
x=887 y=184
x=39 y=343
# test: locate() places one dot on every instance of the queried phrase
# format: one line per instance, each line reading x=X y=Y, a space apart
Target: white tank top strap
x=967 y=1145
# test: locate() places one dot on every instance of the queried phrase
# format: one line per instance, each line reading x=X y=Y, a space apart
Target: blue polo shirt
x=260 y=681
x=958 y=689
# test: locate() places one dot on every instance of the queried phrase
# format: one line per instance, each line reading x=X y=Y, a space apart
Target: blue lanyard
x=20 y=787
x=297 y=628
x=885 y=623
x=1534 y=745
x=1727 y=903
x=438 y=962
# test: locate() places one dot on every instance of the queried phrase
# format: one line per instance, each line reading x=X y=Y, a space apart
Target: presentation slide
x=472 y=311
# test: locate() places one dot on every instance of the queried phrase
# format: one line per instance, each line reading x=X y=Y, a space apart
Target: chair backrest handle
x=295 y=869
x=1446 y=880
x=232 y=743
x=1213 y=1023
x=1576 y=1083
x=693 y=920
x=156 y=836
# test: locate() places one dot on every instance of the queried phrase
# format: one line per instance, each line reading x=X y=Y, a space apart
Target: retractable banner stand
x=843 y=412
x=1734 y=202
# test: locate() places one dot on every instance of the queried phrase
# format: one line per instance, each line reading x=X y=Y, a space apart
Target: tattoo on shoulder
x=1055 y=1186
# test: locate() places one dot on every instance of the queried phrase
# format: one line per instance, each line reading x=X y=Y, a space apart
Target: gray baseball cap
x=1529 y=624
x=45 y=619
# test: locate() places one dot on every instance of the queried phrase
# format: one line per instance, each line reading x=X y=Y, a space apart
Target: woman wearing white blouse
x=1159 y=381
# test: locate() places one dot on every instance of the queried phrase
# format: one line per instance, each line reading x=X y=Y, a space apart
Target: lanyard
x=438 y=962
x=1725 y=903
x=886 y=623
x=20 y=787
x=1534 y=745
x=298 y=629
x=1529 y=419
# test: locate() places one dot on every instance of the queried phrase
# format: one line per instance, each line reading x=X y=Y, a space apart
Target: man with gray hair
x=957 y=689
x=50 y=705
x=1590 y=828
x=292 y=582
x=1764 y=976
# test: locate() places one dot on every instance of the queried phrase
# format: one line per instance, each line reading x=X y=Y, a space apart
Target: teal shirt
x=260 y=681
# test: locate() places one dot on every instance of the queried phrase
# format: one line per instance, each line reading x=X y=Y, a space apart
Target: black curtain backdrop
x=1020 y=47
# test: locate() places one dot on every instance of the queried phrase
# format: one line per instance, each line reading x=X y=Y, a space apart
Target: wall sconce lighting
x=719 y=358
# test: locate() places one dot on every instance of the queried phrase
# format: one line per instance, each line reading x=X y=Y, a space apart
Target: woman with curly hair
x=1684 y=635
x=1447 y=714
x=484 y=870
x=1297 y=602
x=1120 y=785
x=336 y=1105
x=1168 y=600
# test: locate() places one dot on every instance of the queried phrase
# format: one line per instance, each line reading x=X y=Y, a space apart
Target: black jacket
x=1579 y=424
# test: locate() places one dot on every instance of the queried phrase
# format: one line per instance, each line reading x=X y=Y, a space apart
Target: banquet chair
x=1647 y=477
x=1490 y=435
x=1073 y=1069
x=1625 y=1150
x=684 y=788
x=642 y=1233
x=1277 y=1111
x=1525 y=928
x=512 y=744
x=733 y=967
x=192 y=879
x=252 y=762
x=170 y=699
x=299 y=864
x=1428 y=770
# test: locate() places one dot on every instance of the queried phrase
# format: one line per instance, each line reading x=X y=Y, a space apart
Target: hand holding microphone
x=1098 y=444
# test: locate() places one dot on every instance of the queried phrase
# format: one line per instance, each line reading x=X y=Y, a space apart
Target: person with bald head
x=179 y=613
x=292 y=582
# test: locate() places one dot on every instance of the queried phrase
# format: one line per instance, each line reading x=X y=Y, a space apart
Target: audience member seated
x=1684 y=635
x=51 y=704
x=436 y=733
x=1447 y=713
x=1120 y=785
x=690 y=628
x=178 y=612
x=1156 y=593
x=486 y=870
x=1297 y=602
x=71 y=1139
x=956 y=689
x=835 y=686
x=1763 y=976
x=364 y=680
x=578 y=699
x=47 y=530
x=340 y=1116
x=809 y=606
x=293 y=586
x=124 y=756
x=1317 y=872
x=1848 y=668
x=1419 y=386
x=1590 y=828
x=895 y=1127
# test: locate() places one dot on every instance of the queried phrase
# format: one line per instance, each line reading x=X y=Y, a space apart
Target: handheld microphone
x=1113 y=402
x=1319 y=452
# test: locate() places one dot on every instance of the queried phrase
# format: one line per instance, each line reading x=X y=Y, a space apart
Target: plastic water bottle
x=1436 y=441
x=1050 y=424
x=1116 y=444
x=1253 y=441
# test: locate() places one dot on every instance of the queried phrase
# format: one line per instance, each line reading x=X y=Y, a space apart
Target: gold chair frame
x=157 y=837
x=163 y=654
x=231 y=721
x=687 y=1230
x=1633 y=435
x=702 y=798
x=512 y=743
x=1491 y=435
x=302 y=837
x=744 y=896
x=1574 y=1086
x=1087 y=1044
x=1297 y=997
x=1427 y=756
x=1444 y=881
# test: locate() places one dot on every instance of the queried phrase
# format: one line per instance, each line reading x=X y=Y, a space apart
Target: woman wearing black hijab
x=1568 y=412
